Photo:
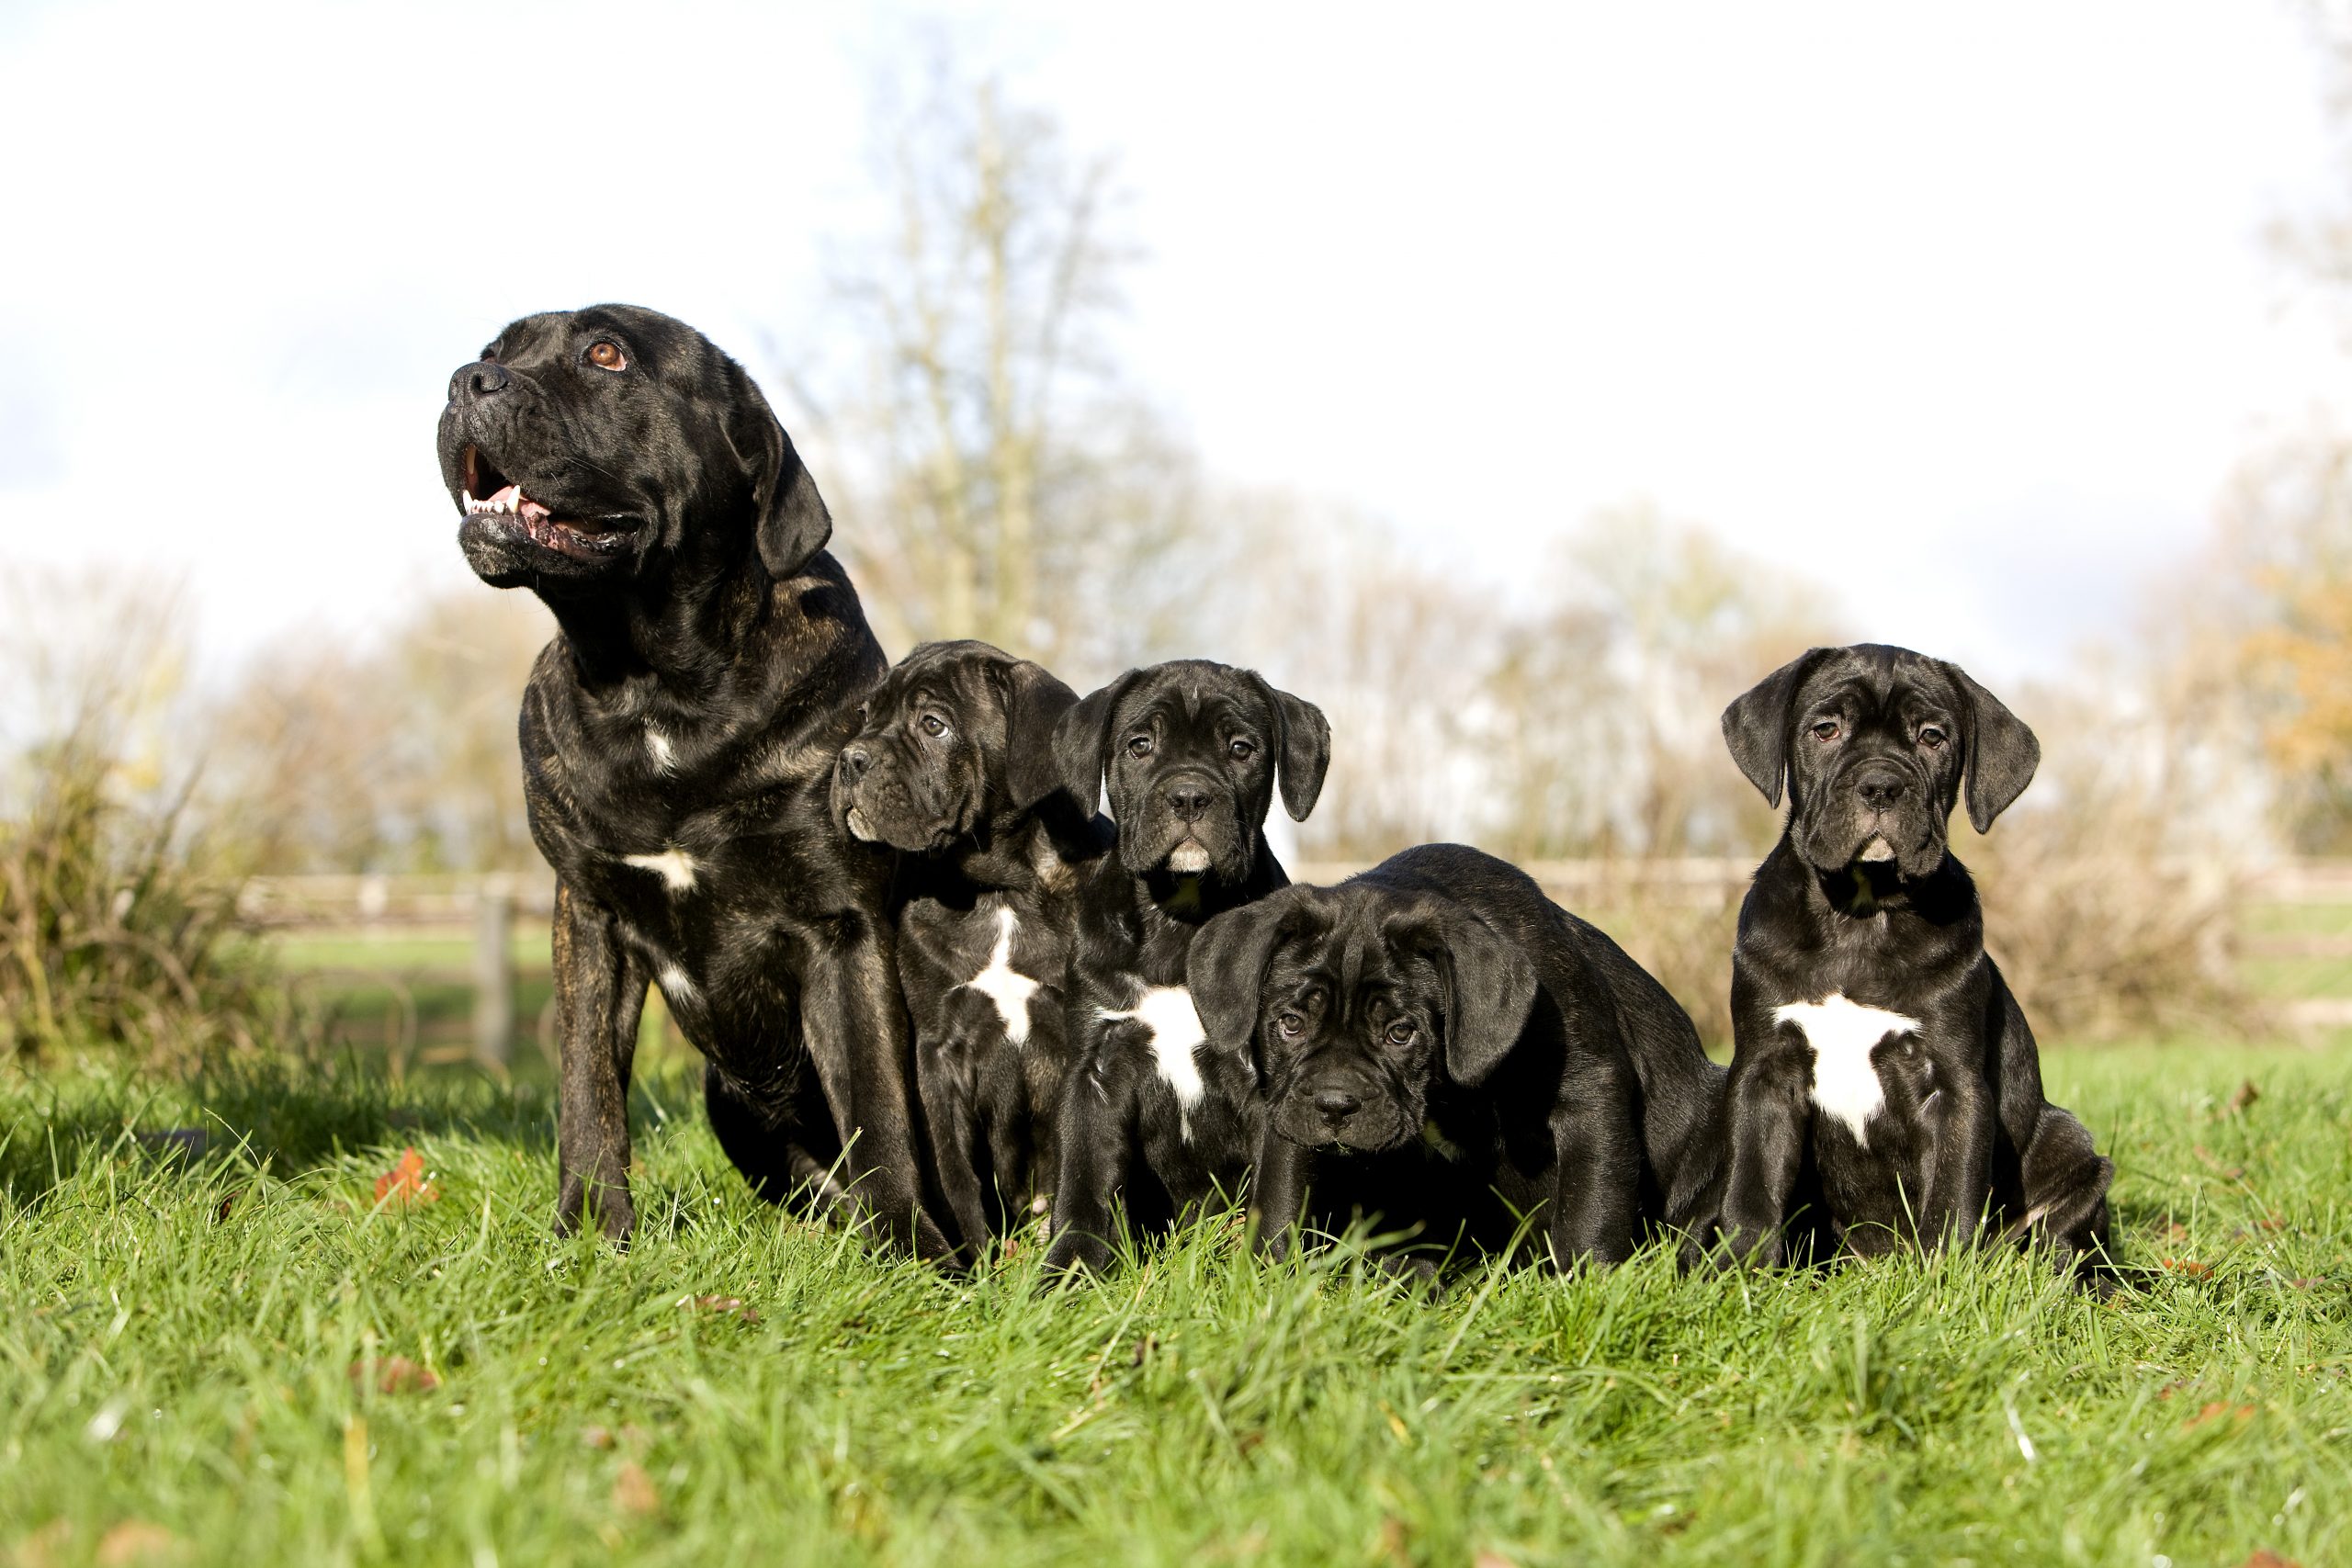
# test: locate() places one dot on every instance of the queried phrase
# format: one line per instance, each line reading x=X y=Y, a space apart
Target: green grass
x=178 y=1337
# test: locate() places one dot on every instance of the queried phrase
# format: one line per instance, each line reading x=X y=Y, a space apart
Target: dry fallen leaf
x=2265 y=1558
x=1492 y=1559
x=2247 y=1095
x=596 y=1437
x=633 y=1490
x=137 y=1542
x=394 y=1374
x=733 y=1304
x=2218 y=1409
x=405 y=1182
x=2229 y=1172
x=1394 y=1542
x=2187 y=1266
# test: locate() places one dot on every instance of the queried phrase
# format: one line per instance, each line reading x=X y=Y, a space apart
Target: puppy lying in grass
x=1443 y=1049
x=952 y=766
x=1152 y=1114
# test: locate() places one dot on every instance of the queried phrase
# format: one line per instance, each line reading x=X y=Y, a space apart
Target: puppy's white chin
x=1878 y=849
x=859 y=828
x=1188 y=859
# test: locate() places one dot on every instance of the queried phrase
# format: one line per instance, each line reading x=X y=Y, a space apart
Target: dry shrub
x=117 y=928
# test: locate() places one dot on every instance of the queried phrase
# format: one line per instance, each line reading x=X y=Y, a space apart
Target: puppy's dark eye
x=933 y=725
x=1401 y=1032
x=1244 y=750
x=1139 y=746
x=607 y=357
x=1291 y=1026
x=1825 y=731
x=1932 y=738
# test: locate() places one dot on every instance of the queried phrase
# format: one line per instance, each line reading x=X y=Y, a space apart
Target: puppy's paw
x=1076 y=1254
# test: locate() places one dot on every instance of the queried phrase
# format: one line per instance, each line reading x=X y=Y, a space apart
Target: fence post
x=495 y=976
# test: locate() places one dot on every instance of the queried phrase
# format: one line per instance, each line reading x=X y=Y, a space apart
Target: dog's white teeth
x=466 y=498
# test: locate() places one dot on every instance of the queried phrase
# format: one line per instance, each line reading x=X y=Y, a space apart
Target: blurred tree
x=398 y=756
x=1612 y=687
x=997 y=477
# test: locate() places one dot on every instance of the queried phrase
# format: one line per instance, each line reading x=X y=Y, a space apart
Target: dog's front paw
x=1077 y=1253
x=610 y=1207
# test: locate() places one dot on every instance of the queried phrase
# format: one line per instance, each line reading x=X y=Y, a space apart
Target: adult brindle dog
x=678 y=738
x=1883 y=1080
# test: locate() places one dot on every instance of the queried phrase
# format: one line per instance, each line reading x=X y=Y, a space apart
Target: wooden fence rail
x=486 y=908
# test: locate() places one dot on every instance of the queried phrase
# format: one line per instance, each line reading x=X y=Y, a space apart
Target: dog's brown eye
x=1932 y=738
x=1139 y=746
x=933 y=725
x=1400 y=1032
x=1825 y=731
x=607 y=357
x=1244 y=750
x=1292 y=1025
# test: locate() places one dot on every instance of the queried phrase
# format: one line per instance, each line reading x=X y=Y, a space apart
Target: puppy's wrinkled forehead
x=1872 y=683
x=1183 y=703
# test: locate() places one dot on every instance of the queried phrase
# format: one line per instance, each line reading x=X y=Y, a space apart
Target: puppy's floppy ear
x=1302 y=747
x=1489 y=989
x=1082 y=742
x=1034 y=702
x=1225 y=968
x=790 y=522
x=1756 y=726
x=2002 y=752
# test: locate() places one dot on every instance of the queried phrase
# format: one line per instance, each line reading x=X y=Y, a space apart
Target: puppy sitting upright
x=1883 y=1078
x=953 y=764
x=1447 y=1049
x=1190 y=752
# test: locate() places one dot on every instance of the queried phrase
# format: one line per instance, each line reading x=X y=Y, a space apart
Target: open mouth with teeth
x=488 y=494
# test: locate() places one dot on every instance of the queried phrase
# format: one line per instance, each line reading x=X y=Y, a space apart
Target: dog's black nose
x=1337 y=1104
x=482 y=379
x=855 y=760
x=1882 y=788
x=1190 y=802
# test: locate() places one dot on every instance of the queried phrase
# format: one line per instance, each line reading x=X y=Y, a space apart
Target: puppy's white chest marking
x=1167 y=1012
x=657 y=746
x=676 y=868
x=1002 y=984
x=1842 y=1034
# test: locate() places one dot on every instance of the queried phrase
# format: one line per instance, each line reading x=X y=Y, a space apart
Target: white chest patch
x=1002 y=984
x=675 y=986
x=674 y=867
x=1167 y=1012
x=1842 y=1034
x=657 y=746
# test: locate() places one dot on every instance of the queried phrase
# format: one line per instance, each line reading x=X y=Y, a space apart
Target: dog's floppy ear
x=1225 y=968
x=1755 y=727
x=1034 y=702
x=1082 y=741
x=790 y=522
x=1302 y=747
x=2002 y=752
x=1489 y=991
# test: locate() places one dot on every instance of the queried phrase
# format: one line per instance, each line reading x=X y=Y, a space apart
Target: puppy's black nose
x=1337 y=1104
x=1882 y=788
x=483 y=380
x=1190 y=802
x=855 y=760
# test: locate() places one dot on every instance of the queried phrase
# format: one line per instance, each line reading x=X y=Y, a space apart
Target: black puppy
x=954 y=765
x=1444 y=1047
x=678 y=741
x=1884 y=1079
x=1190 y=752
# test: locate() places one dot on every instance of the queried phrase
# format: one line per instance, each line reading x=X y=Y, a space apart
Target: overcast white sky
x=1964 y=312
